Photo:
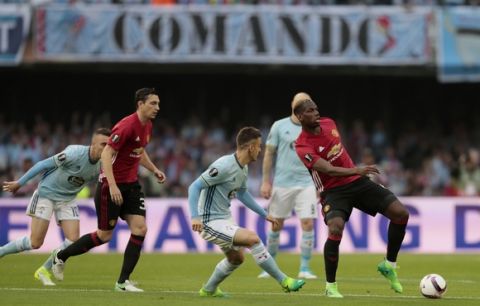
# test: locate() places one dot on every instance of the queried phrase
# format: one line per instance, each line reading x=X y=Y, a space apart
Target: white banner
x=437 y=225
x=253 y=34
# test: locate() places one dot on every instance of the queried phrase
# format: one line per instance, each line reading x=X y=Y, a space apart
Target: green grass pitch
x=174 y=279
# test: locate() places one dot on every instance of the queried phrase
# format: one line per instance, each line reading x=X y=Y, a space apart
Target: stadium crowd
x=248 y=2
x=437 y=161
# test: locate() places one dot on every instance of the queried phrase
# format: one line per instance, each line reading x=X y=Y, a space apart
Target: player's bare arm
x=107 y=160
x=147 y=163
x=266 y=188
x=11 y=186
x=323 y=166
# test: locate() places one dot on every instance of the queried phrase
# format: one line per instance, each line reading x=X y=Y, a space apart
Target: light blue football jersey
x=224 y=178
x=74 y=170
x=289 y=169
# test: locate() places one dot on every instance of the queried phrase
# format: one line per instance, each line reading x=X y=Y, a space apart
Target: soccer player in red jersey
x=118 y=193
x=344 y=186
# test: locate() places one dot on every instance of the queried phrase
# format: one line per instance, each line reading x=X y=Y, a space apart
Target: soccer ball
x=433 y=286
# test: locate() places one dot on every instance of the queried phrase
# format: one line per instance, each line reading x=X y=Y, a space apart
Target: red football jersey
x=326 y=145
x=129 y=138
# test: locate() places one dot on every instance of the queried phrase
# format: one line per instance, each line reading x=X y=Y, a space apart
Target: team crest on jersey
x=213 y=172
x=115 y=138
x=112 y=222
x=308 y=157
x=335 y=133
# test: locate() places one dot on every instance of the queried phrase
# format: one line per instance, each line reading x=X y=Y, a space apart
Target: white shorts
x=284 y=200
x=221 y=232
x=44 y=208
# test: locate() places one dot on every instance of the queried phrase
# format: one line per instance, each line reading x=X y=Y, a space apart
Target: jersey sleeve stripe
x=208 y=204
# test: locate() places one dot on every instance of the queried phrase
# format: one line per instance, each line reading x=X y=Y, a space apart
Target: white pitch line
x=239 y=293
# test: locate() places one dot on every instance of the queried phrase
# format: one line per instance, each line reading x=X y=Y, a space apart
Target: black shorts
x=108 y=212
x=362 y=194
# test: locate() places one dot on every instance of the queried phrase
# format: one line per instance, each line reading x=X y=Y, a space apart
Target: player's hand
x=366 y=170
x=197 y=225
x=161 y=177
x=12 y=186
x=266 y=190
x=116 y=195
x=275 y=223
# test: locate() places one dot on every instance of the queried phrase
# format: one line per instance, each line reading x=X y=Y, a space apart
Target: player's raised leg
x=247 y=238
x=273 y=244
x=39 y=227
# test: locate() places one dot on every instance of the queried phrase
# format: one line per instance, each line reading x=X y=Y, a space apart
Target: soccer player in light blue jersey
x=292 y=188
x=209 y=200
x=64 y=176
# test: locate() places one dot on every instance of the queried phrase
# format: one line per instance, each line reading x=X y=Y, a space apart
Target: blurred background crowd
x=437 y=161
x=250 y=2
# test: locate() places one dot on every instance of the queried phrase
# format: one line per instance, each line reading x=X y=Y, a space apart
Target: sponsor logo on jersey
x=138 y=151
x=334 y=150
x=115 y=138
x=76 y=181
x=213 y=172
x=335 y=133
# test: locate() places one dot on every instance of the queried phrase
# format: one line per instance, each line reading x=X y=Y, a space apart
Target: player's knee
x=336 y=228
x=307 y=225
x=398 y=213
x=105 y=236
x=140 y=230
x=253 y=239
x=402 y=215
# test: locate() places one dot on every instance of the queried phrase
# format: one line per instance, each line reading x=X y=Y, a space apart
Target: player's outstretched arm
x=147 y=163
x=39 y=167
x=324 y=166
x=246 y=198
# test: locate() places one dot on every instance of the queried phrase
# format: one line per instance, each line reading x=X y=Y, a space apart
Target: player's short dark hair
x=103 y=131
x=143 y=93
x=247 y=134
x=300 y=107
